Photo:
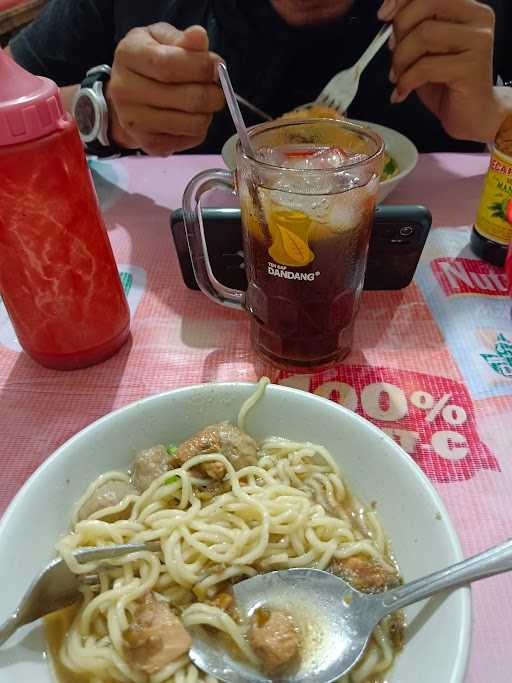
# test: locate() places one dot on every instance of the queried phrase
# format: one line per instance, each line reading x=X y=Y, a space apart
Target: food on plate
x=314 y=111
x=279 y=504
x=320 y=111
x=390 y=168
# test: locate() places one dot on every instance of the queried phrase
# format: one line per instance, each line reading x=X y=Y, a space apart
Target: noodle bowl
x=291 y=508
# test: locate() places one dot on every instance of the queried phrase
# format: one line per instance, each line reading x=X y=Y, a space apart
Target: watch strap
x=95 y=148
x=98 y=73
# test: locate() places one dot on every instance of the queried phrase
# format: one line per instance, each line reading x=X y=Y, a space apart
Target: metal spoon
x=340 y=619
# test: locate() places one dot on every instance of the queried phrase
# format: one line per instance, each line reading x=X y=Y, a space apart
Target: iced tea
x=306 y=244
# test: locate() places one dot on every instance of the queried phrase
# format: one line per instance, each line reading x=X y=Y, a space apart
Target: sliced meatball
x=149 y=464
x=273 y=637
x=365 y=574
x=156 y=637
x=239 y=448
x=214 y=470
x=107 y=495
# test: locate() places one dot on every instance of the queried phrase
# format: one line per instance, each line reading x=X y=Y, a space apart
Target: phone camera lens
x=406 y=231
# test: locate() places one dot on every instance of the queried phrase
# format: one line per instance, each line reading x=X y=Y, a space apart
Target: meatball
x=107 y=495
x=149 y=464
x=365 y=574
x=273 y=637
x=156 y=637
x=239 y=448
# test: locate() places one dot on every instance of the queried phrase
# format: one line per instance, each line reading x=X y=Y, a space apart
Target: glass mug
x=307 y=203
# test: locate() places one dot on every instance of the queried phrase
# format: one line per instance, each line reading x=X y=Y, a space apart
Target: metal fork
x=57 y=587
x=342 y=88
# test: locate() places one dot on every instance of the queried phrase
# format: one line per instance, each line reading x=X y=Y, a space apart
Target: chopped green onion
x=171 y=449
x=171 y=480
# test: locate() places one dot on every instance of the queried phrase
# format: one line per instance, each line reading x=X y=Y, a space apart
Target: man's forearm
x=67 y=95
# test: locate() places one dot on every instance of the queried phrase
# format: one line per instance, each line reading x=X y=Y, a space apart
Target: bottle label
x=494 y=218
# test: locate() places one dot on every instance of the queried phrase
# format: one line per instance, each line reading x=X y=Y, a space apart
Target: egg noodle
x=291 y=510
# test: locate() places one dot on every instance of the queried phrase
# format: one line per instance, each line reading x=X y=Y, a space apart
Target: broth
x=56 y=627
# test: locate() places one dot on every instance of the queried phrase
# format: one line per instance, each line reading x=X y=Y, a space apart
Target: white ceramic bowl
x=398 y=146
x=375 y=467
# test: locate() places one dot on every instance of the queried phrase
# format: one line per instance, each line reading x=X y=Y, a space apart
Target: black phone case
x=398 y=236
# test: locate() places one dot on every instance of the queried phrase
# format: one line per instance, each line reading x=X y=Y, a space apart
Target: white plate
x=398 y=146
x=376 y=468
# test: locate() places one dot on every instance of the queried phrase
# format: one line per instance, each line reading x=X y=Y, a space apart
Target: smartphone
x=398 y=236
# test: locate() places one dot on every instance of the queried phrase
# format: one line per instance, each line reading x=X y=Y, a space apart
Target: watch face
x=85 y=115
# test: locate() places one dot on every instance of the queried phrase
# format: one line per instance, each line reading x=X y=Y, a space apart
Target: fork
x=57 y=587
x=342 y=88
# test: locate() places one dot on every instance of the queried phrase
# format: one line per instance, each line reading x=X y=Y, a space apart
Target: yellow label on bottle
x=494 y=218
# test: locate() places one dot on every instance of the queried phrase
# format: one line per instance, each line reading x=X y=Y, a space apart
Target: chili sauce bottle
x=58 y=277
x=492 y=232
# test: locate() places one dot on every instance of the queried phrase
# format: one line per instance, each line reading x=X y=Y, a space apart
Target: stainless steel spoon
x=340 y=619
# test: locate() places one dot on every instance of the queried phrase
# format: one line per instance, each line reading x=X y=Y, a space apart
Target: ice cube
x=307 y=157
x=347 y=209
x=293 y=201
x=327 y=158
x=269 y=155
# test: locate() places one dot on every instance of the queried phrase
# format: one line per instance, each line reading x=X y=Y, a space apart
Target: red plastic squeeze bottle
x=58 y=277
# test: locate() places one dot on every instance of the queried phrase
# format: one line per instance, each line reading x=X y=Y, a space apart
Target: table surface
x=438 y=354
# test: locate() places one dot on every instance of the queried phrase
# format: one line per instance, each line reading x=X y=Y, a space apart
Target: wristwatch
x=91 y=112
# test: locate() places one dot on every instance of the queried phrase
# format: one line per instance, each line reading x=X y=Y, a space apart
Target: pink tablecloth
x=432 y=364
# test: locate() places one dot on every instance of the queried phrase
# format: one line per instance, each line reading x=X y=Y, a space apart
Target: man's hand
x=443 y=50
x=163 y=90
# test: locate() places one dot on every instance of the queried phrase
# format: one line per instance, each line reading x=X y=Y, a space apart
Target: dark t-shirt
x=273 y=65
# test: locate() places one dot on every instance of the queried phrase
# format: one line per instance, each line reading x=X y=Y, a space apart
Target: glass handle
x=206 y=280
